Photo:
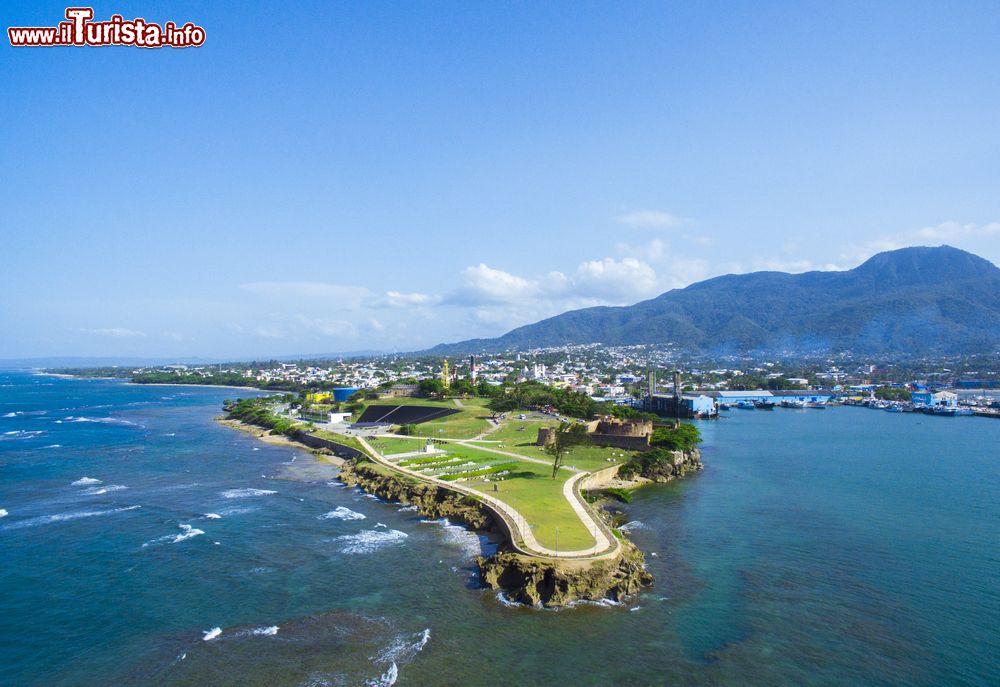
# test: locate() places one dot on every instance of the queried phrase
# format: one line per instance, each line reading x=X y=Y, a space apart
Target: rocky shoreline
x=530 y=580
x=524 y=579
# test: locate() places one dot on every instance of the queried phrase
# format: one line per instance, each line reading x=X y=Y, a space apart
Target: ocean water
x=143 y=544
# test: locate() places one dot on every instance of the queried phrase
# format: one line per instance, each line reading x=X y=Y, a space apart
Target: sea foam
x=84 y=481
x=341 y=513
x=187 y=532
x=62 y=517
x=369 y=541
x=245 y=493
x=212 y=634
x=97 y=491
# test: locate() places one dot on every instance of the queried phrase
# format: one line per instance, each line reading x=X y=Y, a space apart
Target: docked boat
x=746 y=405
x=763 y=405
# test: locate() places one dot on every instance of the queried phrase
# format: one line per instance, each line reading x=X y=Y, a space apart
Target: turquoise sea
x=143 y=544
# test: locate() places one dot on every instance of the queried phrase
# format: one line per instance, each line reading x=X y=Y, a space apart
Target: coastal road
x=606 y=545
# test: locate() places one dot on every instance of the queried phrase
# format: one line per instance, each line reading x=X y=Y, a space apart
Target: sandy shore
x=277 y=439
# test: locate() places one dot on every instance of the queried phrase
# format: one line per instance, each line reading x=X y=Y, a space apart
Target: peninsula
x=514 y=465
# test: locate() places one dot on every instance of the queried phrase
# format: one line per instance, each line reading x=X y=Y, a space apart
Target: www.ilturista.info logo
x=81 y=30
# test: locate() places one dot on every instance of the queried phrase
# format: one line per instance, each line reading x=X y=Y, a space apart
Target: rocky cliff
x=433 y=501
x=543 y=582
x=659 y=465
x=525 y=579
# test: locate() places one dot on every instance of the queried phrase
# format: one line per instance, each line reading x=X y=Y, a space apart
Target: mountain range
x=911 y=301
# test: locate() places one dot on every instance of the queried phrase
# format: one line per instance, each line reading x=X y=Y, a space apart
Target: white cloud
x=613 y=279
x=652 y=251
x=400 y=299
x=485 y=284
x=953 y=231
x=650 y=218
x=117 y=332
x=977 y=238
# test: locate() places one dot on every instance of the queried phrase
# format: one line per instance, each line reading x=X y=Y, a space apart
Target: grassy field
x=388 y=446
x=511 y=438
x=539 y=498
x=530 y=489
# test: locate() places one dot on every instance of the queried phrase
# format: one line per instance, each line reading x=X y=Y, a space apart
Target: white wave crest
x=342 y=513
x=22 y=434
x=237 y=510
x=212 y=516
x=97 y=491
x=187 y=532
x=14 y=414
x=386 y=679
x=212 y=634
x=469 y=542
x=408 y=509
x=402 y=649
x=62 y=517
x=84 y=481
x=100 y=420
x=245 y=493
x=370 y=541
x=3 y=513
x=265 y=631
x=633 y=525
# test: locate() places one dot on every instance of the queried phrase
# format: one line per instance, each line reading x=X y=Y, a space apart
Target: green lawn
x=539 y=498
x=389 y=446
x=588 y=457
x=529 y=488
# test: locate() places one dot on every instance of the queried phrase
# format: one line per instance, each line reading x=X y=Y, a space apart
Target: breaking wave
x=341 y=513
x=21 y=434
x=402 y=650
x=84 y=481
x=469 y=542
x=97 y=491
x=62 y=517
x=236 y=510
x=245 y=493
x=187 y=532
x=633 y=525
x=212 y=634
x=369 y=541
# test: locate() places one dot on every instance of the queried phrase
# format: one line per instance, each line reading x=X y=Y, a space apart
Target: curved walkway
x=523 y=539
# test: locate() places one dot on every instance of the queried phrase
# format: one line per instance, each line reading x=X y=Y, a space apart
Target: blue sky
x=325 y=177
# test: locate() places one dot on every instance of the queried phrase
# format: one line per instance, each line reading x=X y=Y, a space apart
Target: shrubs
x=257 y=411
x=482 y=472
x=623 y=495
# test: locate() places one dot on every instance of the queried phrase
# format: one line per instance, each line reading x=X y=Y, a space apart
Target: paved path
x=606 y=545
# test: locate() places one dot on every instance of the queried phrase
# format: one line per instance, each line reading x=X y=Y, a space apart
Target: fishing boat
x=745 y=405
x=763 y=405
